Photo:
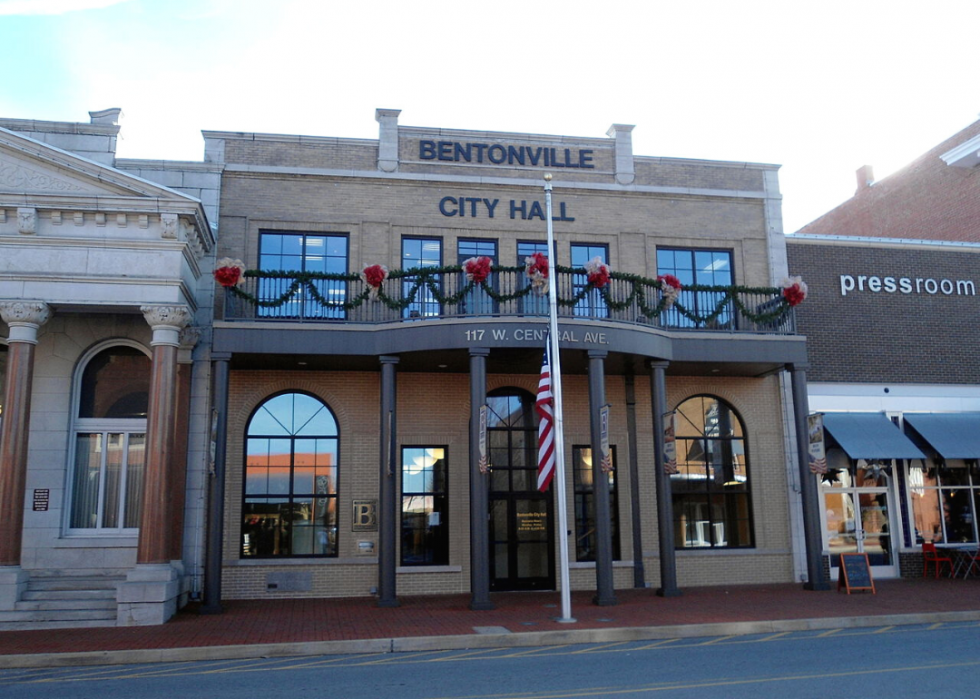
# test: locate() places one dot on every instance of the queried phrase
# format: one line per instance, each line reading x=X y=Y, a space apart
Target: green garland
x=429 y=278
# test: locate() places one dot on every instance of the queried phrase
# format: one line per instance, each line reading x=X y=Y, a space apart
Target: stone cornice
x=188 y=294
x=197 y=231
x=411 y=177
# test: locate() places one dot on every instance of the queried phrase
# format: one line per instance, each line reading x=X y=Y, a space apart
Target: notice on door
x=531 y=522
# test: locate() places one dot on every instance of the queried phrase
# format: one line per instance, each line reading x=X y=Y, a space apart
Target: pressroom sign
x=872 y=283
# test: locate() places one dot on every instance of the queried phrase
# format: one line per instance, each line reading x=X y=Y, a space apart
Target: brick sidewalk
x=297 y=621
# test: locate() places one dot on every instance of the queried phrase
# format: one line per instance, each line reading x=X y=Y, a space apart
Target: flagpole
x=566 y=594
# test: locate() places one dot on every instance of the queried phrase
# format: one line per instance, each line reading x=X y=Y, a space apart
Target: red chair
x=930 y=555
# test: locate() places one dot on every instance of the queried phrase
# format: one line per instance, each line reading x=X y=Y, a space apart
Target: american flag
x=545 y=406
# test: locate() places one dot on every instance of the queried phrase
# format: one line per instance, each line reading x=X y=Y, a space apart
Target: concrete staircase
x=60 y=600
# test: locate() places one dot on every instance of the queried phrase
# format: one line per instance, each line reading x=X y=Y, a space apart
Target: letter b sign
x=365 y=516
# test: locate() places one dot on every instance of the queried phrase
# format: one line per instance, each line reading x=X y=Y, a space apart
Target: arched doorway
x=522 y=552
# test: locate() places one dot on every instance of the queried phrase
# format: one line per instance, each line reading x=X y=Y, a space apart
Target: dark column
x=388 y=512
x=665 y=505
x=154 y=537
x=24 y=319
x=216 y=489
x=639 y=578
x=605 y=595
x=816 y=580
x=479 y=505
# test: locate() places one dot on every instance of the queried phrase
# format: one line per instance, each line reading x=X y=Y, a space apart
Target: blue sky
x=820 y=88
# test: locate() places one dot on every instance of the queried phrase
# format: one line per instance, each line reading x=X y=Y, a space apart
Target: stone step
x=42 y=625
x=78 y=573
x=73 y=583
x=68 y=615
x=34 y=595
x=65 y=604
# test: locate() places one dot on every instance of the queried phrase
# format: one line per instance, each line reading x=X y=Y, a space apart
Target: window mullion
x=100 y=509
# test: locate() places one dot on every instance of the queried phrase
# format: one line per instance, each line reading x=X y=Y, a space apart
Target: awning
x=952 y=435
x=870 y=436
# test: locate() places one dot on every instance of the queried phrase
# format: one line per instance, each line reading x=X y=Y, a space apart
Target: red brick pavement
x=292 y=621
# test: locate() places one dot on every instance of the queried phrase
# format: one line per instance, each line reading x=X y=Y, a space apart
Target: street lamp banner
x=606 y=465
x=670 y=444
x=483 y=464
x=817 y=448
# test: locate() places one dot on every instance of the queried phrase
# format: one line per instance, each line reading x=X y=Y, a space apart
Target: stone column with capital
x=149 y=595
x=24 y=319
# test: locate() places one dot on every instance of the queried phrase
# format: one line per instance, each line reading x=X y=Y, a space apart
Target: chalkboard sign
x=855 y=573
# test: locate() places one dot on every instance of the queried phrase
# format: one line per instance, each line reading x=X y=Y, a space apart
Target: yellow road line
x=609 y=691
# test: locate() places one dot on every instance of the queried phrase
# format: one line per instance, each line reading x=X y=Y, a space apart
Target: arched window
x=113 y=391
x=290 y=508
x=712 y=508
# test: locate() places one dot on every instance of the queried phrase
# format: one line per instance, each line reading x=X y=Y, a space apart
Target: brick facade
x=888 y=336
x=412 y=183
x=925 y=200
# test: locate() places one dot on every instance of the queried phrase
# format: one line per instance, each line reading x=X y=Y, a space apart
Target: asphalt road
x=941 y=659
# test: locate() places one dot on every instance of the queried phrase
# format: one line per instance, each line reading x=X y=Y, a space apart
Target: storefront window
x=290 y=506
x=109 y=442
x=712 y=508
x=425 y=507
x=945 y=501
x=585 y=535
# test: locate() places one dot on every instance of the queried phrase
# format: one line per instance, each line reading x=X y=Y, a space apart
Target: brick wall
x=868 y=336
x=925 y=199
x=434 y=409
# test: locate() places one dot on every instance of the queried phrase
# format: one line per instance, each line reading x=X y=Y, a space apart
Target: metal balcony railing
x=440 y=294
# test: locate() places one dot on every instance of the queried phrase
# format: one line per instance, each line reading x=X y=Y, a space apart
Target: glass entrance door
x=521 y=523
x=858 y=518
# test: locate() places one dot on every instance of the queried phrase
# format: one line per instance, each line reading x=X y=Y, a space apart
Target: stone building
x=105 y=290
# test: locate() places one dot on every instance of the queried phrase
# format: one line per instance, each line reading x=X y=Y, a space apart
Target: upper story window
x=701 y=267
x=477 y=302
x=592 y=304
x=303 y=252
x=290 y=507
x=533 y=304
x=711 y=501
x=109 y=441
x=417 y=253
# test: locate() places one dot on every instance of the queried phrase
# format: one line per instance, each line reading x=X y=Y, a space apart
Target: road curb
x=470 y=641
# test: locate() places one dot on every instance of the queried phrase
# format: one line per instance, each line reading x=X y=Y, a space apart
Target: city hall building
x=352 y=360
x=355 y=414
